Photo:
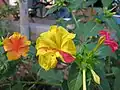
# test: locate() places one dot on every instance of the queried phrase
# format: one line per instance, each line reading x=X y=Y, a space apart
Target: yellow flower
x=56 y=43
x=16 y=46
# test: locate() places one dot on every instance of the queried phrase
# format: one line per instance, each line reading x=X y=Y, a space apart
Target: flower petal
x=7 y=44
x=24 y=41
x=112 y=44
x=12 y=55
x=69 y=47
x=59 y=34
x=67 y=38
x=105 y=33
x=68 y=58
x=23 y=51
x=43 y=51
x=108 y=41
x=16 y=35
x=45 y=42
x=48 y=61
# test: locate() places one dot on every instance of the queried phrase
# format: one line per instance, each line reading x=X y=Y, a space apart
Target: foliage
x=7 y=11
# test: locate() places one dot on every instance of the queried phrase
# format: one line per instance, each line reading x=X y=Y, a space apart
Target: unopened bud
x=95 y=77
x=101 y=40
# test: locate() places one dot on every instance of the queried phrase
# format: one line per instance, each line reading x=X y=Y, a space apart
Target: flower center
x=16 y=44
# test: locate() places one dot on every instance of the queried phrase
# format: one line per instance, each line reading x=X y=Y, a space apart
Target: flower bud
x=101 y=40
x=95 y=77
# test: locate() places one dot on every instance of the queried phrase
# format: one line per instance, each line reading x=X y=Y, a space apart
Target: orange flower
x=16 y=46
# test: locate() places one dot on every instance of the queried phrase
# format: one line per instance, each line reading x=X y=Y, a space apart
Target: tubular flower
x=16 y=46
x=56 y=43
x=108 y=40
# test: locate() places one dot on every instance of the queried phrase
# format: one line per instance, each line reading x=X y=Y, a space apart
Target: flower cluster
x=53 y=45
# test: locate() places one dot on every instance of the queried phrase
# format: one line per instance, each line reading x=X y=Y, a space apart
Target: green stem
x=84 y=79
x=109 y=75
x=78 y=27
x=30 y=82
x=75 y=20
x=95 y=49
x=42 y=83
x=84 y=3
x=108 y=64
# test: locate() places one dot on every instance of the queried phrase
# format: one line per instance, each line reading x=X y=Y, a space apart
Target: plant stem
x=31 y=82
x=74 y=18
x=84 y=3
x=78 y=27
x=42 y=83
x=108 y=63
x=84 y=79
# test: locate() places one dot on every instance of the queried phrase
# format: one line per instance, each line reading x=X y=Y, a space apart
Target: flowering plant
x=80 y=53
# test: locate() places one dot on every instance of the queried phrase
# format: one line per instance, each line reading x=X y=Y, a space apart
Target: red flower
x=105 y=33
x=108 y=40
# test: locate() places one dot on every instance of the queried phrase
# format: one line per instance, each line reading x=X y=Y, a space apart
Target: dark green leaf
x=51 y=76
x=106 y=3
x=50 y=11
x=92 y=29
x=113 y=25
x=75 y=4
x=75 y=78
x=10 y=70
x=88 y=29
x=17 y=86
x=90 y=2
x=65 y=85
x=35 y=67
x=106 y=51
x=116 y=72
x=99 y=69
x=90 y=46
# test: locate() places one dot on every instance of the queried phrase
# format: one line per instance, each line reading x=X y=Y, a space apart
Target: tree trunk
x=24 y=24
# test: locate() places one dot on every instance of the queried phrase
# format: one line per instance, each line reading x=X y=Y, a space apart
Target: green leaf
x=116 y=72
x=2 y=50
x=35 y=67
x=75 y=78
x=65 y=85
x=90 y=2
x=51 y=10
x=91 y=46
x=99 y=69
x=51 y=76
x=92 y=29
x=113 y=25
x=106 y=3
x=106 y=51
x=88 y=29
x=32 y=52
x=80 y=31
x=75 y=4
x=17 y=86
x=10 y=70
